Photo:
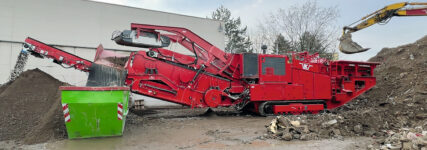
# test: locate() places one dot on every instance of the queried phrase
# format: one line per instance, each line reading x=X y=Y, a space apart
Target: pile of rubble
x=283 y=128
x=306 y=127
x=392 y=112
x=404 y=138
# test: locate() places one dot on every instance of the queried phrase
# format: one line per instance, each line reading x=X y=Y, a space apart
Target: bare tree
x=302 y=24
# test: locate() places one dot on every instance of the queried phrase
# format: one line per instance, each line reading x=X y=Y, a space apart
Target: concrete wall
x=80 y=26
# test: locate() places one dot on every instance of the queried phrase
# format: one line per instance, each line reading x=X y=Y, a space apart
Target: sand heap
x=396 y=107
x=30 y=109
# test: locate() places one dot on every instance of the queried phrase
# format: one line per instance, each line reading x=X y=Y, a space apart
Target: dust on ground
x=30 y=109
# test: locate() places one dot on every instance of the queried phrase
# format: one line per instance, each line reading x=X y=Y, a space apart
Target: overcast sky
x=400 y=30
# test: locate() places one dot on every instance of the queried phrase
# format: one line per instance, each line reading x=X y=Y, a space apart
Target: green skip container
x=94 y=111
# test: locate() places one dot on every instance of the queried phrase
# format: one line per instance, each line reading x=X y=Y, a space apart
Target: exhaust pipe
x=347 y=45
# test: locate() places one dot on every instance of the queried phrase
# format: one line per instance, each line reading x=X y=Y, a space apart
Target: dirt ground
x=178 y=128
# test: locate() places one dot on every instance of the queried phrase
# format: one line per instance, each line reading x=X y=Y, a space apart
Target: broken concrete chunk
x=287 y=136
x=304 y=137
x=370 y=146
x=283 y=122
x=329 y=123
x=296 y=136
x=406 y=146
x=336 y=131
x=420 y=142
x=305 y=129
x=411 y=136
x=358 y=128
x=273 y=126
x=295 y=123
x=403 y=74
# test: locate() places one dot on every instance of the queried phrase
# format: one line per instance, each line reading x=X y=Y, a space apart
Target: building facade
x=78 y=27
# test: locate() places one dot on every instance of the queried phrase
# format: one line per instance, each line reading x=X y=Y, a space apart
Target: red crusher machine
x=264 y=83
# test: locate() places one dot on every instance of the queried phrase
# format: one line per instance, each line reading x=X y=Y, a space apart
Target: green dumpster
x=94 y=111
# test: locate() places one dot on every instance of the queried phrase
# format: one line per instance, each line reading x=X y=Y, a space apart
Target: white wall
x=80 y=26
x=76 y=24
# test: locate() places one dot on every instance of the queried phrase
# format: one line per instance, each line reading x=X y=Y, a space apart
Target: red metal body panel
x=172 y=82
x=60 y=56
x=301 y=83
x=269 y=76
x=212 y=57
x=298 y=108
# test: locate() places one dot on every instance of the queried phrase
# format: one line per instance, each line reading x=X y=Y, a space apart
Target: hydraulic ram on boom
x=404 y=9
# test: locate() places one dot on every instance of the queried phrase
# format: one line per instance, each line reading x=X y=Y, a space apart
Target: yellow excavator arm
x=380 y=16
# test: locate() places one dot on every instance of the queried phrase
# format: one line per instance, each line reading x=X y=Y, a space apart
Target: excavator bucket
x=347 y=45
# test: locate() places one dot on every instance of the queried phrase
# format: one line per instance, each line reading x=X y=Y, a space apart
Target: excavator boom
x=348 y=46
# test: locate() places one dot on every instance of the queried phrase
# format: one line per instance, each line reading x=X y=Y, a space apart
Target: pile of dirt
x=397 y=103
x=30 y=109
x=399 y=98
x=3 y=87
